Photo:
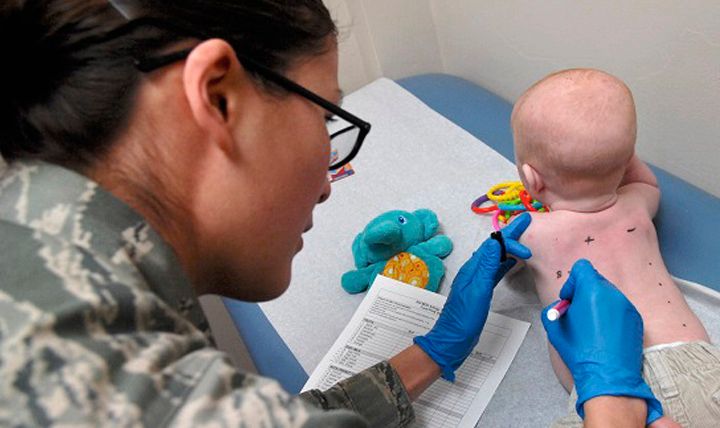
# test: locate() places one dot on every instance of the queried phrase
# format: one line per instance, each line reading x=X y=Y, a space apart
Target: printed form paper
x=385 y=323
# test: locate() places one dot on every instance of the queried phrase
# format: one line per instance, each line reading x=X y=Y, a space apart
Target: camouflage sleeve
x=375 y=393
x=222 y=396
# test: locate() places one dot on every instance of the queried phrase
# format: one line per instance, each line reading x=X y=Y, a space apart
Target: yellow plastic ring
x=511 y=190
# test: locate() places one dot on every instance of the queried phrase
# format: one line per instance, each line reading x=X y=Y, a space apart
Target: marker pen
x=558 y=310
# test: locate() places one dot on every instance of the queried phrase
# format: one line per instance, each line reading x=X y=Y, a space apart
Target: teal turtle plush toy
x=400 y=245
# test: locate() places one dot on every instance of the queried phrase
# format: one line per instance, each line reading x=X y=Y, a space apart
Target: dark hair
x=69 y=74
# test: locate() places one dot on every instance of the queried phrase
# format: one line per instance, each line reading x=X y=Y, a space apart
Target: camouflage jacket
x=98 y=326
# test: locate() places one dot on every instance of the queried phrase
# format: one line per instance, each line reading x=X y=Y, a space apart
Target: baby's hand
x=665 y=422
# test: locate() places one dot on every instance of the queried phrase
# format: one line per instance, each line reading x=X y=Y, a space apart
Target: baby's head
x=574 y=134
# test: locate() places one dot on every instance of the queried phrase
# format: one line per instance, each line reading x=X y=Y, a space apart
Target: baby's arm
x=640 y=185
x=637 y=171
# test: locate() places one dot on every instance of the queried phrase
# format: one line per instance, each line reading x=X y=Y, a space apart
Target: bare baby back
x=622 y=244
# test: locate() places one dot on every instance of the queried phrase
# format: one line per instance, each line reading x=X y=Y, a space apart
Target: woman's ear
x=213 y=79
x=533 y=181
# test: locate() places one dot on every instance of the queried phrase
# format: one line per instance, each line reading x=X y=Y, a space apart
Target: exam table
x=685 y=222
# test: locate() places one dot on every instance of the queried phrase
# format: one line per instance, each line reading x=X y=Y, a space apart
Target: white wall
x=394 y=39
x=668 y=52
x=359 y=64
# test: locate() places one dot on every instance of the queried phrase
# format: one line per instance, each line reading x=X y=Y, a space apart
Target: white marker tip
x=553 y=314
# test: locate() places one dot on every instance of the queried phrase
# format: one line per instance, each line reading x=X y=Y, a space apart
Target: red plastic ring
x=526 y=200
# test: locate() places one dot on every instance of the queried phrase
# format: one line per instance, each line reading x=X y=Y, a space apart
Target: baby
x=574 y=133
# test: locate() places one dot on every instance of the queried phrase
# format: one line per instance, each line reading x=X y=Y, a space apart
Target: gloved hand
x=600 y=340
x=457 y=330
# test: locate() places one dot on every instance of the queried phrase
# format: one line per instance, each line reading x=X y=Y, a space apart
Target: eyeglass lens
x=343 y=136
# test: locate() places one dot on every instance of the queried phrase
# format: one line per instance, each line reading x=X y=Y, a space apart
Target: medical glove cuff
x=617 y=385
x=448 y=363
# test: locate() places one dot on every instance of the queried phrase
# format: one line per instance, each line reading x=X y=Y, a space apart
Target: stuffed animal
x=400 y=245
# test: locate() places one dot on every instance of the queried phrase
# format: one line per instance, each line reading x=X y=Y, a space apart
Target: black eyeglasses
x=347 y=131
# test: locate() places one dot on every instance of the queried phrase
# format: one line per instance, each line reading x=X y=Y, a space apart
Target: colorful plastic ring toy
x=509 y=189
x=477 y=205
x=495 y=218
x=527 y=200
x=509 y=207
x=484 y=210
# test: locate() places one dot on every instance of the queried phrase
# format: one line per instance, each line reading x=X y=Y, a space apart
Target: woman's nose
x=326 y=192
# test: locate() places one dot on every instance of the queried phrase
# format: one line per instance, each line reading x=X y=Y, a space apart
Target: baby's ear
x=533 y=180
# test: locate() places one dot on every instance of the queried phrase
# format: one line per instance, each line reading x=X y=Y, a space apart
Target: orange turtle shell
x=407 y=268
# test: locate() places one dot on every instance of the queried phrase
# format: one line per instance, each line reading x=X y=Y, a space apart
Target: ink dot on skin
x=650 y=263
x=559 y=274
x=668 y=301
x=631 y=230
x=684 y=325
x=660 y=284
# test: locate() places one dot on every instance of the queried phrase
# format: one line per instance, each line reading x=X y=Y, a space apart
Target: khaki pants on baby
x=684 y=377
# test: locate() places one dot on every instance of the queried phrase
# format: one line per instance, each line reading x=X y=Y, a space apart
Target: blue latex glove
x=457 y=330
x=600 y=339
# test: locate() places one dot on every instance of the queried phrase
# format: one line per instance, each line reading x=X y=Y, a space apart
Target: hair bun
x=26 y=73
x=30 y=58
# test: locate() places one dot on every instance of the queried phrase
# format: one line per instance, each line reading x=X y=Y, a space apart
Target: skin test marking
x=589 y=240
x=631 y=230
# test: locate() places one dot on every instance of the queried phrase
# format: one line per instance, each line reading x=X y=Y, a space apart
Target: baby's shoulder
x=553 y=223
x=542 y=225
x=639 y=197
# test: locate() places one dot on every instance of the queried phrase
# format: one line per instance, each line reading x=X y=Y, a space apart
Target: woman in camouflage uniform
x=139 y=136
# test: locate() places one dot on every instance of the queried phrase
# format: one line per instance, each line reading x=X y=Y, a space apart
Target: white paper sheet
x=385 y=323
